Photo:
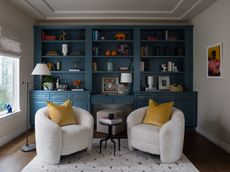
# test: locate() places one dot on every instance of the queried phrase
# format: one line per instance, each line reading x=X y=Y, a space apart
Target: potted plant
x=48 y=82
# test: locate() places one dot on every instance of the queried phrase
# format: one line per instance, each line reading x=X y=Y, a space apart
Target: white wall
x=210 y=27
x=18 y=22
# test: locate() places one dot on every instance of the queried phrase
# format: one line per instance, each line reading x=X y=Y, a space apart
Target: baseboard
x=8 y=138
x=213 y=139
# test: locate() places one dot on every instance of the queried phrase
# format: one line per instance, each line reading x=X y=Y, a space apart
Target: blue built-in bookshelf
x=90 y=48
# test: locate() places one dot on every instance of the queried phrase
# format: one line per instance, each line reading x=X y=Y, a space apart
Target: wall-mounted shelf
x=115 y=57
x=63 y=57
x=67 y=72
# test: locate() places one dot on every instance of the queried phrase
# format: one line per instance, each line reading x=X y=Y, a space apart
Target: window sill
x=4 y=115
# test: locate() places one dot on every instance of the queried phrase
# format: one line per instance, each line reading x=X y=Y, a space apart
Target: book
x=106 y=120
x=78 y=89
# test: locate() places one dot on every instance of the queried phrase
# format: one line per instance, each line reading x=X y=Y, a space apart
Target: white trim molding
x=13 y=135
x=44 y=9
x=213 y=139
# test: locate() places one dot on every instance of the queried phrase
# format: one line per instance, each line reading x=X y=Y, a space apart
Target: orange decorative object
x=120 y=36
x=114 y=53
x=77 y=83
x=107 y=52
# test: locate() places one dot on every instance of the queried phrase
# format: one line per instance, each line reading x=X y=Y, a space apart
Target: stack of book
x=74 y=70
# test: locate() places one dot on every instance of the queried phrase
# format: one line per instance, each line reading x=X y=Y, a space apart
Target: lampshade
x=126 y=78
x=41 y=69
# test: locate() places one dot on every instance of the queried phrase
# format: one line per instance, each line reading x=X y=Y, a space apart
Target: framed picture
x=109 y=85
x=214 y=61
x=163 y=82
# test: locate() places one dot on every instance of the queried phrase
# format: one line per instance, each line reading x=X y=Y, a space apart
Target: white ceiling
x=133 y=10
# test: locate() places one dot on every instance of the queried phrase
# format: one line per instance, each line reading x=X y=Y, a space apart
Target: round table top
x=115 y=121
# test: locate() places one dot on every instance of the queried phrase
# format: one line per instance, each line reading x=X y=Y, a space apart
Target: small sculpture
x=123 y=49
x=164 y=67
x=119 y=36
x=8 y=108
x=62 y=36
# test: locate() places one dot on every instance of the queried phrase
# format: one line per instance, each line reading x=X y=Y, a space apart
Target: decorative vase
x=150 y=82
x=64 y=49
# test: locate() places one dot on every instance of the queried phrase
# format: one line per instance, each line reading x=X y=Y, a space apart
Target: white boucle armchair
x=52 y=141
x=166 y=141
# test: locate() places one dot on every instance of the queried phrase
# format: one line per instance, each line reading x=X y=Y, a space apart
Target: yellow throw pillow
x=61 y=114
x=158 y=114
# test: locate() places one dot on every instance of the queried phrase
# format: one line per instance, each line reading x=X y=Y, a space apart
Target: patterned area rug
x=124 y=161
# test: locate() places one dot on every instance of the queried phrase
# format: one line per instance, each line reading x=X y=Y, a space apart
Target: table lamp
x=126 y=79
x=40 y=69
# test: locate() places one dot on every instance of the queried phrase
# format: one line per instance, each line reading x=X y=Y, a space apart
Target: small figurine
x=8 y=108
x=123 y=49
x=62 y=36
x=164 y=67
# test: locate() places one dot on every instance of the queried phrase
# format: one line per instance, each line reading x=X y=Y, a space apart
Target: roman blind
x=10 y=43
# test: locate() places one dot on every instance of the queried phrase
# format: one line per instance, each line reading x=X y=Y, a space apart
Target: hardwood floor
x=205 y=155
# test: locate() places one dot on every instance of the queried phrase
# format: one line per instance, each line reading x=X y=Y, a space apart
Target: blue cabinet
x=186 y=101
x=39 y=100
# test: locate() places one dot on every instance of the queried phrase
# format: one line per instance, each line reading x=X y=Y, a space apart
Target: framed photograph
x=214 y=61
x=109 y=85
x=163 y=82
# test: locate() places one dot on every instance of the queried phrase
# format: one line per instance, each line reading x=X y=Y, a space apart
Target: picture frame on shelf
x=163 y=82
x=214 y=61
x=109 y=85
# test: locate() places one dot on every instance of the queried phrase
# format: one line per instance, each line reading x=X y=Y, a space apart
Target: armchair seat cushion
x=74 y=137
x=145 y=136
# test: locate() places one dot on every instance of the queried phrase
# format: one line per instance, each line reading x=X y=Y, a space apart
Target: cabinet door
x=81 y=103
x=35 y=106
x=142 y=100
x=101 y=99
x=123 y=100
x=59 y=96
x=187 y=103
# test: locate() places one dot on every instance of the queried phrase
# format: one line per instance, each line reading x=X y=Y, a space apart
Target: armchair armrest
x=134 y=118
x=85 y=118
x=48 y=137
x=172 y=137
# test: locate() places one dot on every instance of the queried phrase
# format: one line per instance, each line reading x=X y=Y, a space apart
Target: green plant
x=50 y=79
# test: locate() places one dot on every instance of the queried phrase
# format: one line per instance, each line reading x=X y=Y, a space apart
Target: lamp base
x=28 y=147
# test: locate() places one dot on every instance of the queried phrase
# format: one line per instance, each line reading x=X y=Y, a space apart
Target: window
x=9 y=83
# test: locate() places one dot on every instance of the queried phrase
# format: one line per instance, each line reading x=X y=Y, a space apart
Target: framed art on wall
x=214 y=61
x=163 y=82
x=109 y=85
